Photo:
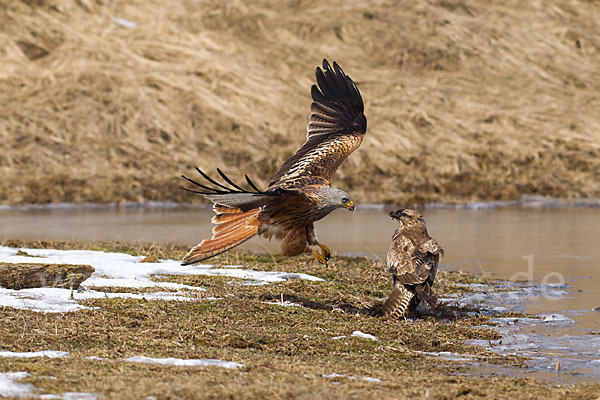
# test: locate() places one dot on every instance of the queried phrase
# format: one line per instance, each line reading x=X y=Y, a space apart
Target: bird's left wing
x=336 y=128
x=408 y=268
x=231 y=195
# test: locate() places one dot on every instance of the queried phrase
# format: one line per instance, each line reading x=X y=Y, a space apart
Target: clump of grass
x=459 y=108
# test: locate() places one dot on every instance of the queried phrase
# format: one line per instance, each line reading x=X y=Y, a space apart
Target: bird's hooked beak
x=350 y=205
x=396 y=214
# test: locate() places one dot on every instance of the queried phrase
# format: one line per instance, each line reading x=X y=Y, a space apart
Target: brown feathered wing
x=336 y=128
x=414 y=267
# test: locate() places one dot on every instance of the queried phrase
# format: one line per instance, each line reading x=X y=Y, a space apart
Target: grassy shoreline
x=285 y=351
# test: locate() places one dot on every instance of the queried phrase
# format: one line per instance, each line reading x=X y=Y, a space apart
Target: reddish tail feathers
x=233 y=227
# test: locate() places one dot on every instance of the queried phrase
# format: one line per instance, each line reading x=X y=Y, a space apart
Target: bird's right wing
x=336 y=128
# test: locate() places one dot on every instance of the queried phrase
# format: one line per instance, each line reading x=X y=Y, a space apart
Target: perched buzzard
x=299 y=194
x=413 y=260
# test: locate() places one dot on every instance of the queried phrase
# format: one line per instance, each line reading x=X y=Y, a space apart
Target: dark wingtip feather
x=214 y=190
x=252 y=185
x=211 y=180
x=234 y=188
x=230 y=181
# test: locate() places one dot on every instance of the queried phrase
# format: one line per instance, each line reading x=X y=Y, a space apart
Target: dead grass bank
x=465 y=99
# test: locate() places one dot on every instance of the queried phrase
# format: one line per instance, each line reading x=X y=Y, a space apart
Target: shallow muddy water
x=556 y=248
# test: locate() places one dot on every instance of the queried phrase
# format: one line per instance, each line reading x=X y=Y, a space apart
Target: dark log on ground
x=24 y=276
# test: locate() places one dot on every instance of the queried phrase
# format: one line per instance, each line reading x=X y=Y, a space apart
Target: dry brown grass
x=465 y=99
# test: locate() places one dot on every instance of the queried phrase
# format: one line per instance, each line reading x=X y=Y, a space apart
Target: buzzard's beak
x=350 y=205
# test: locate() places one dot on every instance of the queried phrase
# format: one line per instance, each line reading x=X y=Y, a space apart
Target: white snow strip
x=96 y=358
x=117 y=270
x=338 y=337
x=124 y=22
x=32 y=354
x=361 y=378
x=334 y=375
x=79 y=396
x=111 y=269
x=367 y=378
x=284 y=304
x=364 y=335
x=449 y=356
x=55 y=300
x=10 y=388
x=70 y=396
x=184 y=363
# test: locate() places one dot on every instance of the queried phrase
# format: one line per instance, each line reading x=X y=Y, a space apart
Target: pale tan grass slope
x=465 y=99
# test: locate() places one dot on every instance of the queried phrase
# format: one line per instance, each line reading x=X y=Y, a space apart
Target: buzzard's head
x=335 y=198
x=407 y=218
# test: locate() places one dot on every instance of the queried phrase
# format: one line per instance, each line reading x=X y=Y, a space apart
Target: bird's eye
x=345 y=200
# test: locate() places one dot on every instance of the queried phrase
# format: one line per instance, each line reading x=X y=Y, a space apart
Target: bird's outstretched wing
x=336 y=128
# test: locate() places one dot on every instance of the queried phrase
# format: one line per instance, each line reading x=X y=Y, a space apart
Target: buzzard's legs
x=324 y=255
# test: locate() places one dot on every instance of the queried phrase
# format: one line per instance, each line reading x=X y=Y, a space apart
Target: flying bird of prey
x=413 y=261
x=299 y=193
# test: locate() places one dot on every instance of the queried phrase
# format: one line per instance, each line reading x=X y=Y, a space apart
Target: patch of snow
x=117 y=270
x=32 y=354
x=79 y=396
x=338 y=337
x=70 y=396
x=360 y=378
x=364 y=335
x=96 y=358
x=124 y=22
x=55 y=300
x=10 y=388
x=449 y=356
x=367 y=378
x=184 y=363
x=111 y=269
x=284 y=303
x=334 y=375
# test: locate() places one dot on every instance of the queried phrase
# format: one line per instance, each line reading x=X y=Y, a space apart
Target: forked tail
x=233 y=227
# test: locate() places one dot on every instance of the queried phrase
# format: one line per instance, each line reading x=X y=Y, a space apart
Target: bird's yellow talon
x=320 y=258
x=325 y=251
